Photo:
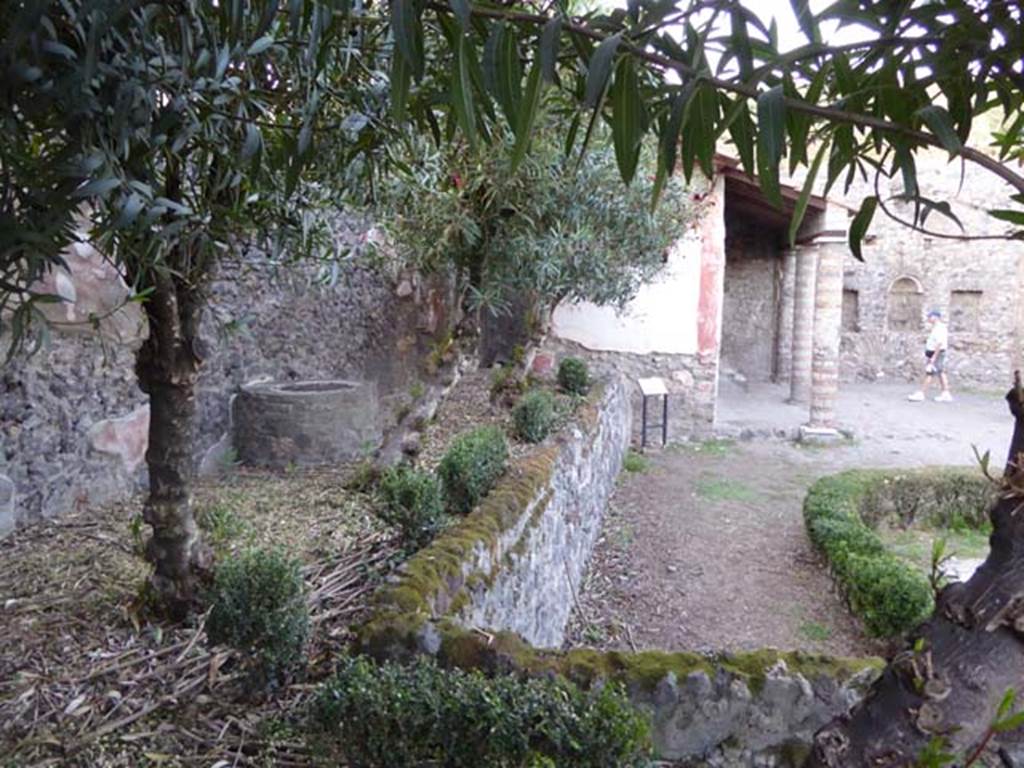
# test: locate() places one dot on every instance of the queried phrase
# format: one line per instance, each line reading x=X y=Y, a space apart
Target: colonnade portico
x=810 y=324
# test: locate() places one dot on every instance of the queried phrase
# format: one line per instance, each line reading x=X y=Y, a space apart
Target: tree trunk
x=949 y=681
x=168 y=368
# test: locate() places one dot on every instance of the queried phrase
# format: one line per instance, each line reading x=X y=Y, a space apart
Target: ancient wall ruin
x=751 y=298
x=73 y=422
x=977 y=285
x=495 y=591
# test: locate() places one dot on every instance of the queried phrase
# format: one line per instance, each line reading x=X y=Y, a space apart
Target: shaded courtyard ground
x=704 y=546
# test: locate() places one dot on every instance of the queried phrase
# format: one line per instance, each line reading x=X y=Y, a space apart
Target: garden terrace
x=493 y=593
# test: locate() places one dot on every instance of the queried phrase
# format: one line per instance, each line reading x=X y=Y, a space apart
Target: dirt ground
x=704 y=546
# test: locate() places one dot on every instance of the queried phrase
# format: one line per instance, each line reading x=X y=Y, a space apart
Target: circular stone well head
x=319 y=421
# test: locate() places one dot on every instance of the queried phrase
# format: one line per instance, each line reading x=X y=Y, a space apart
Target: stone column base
x=819 y=435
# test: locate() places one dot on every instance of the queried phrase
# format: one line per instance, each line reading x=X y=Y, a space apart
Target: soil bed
x=704 y=549
x=86 y=680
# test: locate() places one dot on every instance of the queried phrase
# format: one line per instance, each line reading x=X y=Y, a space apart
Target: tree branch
x=830 y=114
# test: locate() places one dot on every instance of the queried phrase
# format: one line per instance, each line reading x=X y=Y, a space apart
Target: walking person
x=935 y=360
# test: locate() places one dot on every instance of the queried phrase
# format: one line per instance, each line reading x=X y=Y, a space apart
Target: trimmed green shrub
x=534 y=415
x=888 y=595
x=412 y=502
x=389 y=715
x=259 y=607
x=573 y=376
x=474 y=462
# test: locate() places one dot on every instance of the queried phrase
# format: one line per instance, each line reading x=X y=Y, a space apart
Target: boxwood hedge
x=889 y=596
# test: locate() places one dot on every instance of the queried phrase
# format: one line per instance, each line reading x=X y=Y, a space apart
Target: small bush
x=474 y=462
x=365 y=476
x=259 y=607
x=390 y=715
x=220 y=524
x=635 y=462
x=890 y=597
x=887 y=594
x=534 y=415
x=573 y=376
x=411 y=501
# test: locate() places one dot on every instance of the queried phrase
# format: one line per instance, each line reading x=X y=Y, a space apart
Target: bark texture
x=168 y=368
x=949 y=681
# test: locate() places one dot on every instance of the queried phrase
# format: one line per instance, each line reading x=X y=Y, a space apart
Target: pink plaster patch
x=712 y=260
x=126 y=437
x=543 y=364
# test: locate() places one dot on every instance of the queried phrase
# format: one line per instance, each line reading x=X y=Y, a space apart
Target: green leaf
x=771 y=136
x=294 y=15
x=408 y=34
x=741 y=42
x=805 y=193
x=699 y=129
x=400 y=77
x=629 y=119
x=805 y=18
x=1005 y=214
x=668 y=141
x=1008 y=700
x=130 y=210
x=771 y=123
x=1011 y=723
x=527 y=115
x=259 y=46
x=741 y=131
x=798 y=126
x=503 y=72
x=461 y=10
x=97 y=187
x=941 y=125
x=859 y=225
x=550 y=37
x=253 y=142
x=599 y=70
x=462 y=93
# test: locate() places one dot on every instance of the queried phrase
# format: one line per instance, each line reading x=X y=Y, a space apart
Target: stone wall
x=494 y=593
x=751 y=299
x=977 y=285
x=513 y=563
x=527 y=582
x=692 y=382
x=73 y=423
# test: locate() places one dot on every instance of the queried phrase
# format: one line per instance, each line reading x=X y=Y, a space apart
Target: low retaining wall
x=495 y=592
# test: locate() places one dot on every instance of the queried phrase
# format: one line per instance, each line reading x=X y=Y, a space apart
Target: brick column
x=828 y=312
x=784 y=343
x=803 y=325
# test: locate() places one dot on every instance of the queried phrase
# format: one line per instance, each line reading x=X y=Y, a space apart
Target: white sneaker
x=944 y=397
x=917 y=397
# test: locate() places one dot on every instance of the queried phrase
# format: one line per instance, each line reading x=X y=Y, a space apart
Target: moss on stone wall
x=640 y=672
x=434 y=582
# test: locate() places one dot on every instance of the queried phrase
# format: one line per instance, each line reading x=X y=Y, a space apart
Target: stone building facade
x=73 y=423
x=977 y=285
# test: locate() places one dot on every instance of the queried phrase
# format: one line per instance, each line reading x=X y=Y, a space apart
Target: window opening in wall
x=851 y=310
x=906 y=304
x=965 y=311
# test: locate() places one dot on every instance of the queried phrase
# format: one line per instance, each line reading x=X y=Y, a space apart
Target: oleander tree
x=555 y=228
x=171 y=134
